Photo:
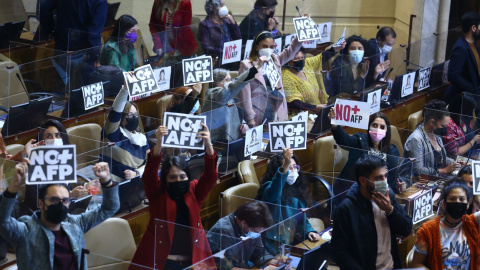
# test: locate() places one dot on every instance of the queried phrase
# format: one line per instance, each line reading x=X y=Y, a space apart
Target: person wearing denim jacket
x=33 y=237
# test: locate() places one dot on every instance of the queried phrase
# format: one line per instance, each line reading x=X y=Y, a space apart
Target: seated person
x=249 y=220
x=175 y=197
x=217 y=28
x=261 y=18
x=124 y=128
x=376 y=142
x=425 y=145
x=451 y=239
x=349 y=70
x=51 y=238
x=465 y=176
x=368 y=221
x=185 y=99
x=119 y=49
x=460 y=138
x=379 y=47
x=221 y=96
x=283 y=184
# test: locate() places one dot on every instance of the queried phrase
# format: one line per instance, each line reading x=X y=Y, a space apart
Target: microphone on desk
x=388 y=74
x=408 y=62
x=298 y=11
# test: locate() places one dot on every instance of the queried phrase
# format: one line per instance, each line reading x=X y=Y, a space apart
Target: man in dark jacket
x=464 y=67
x=379 y=47
x=367 y=222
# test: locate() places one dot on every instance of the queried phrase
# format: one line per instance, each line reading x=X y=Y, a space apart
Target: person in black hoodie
x=367 y=222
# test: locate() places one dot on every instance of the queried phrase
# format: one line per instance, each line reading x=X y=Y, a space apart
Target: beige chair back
x=237 y=195
x=409 y=258
x=323 y=158
x=113 y=238
x=246 y=172
x=162 y=104
x=414 y=119
x=87 y=138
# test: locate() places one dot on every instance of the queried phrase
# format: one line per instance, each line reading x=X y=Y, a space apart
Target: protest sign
x=476 y=177
x=162 y=75
x=289 y=39
x=142 y=81
x=93 y=95
x=248 y=48
x=287 y=134
x=232 y=51
x=407 y=84
x=182 y=131
x=52 y=165
x=373 y=99
x=278 y=46
x=325 y=30
x=198 y=69
x=253 y=140
x=424 y=78
x=351 y=113
x=341 y=39
x=302 y=116
x=310 y=44
x=306 y=29
x=422 y=207
x=272 y=73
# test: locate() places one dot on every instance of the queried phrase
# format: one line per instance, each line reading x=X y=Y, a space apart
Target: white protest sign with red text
x=232 y=51
x=351 y=113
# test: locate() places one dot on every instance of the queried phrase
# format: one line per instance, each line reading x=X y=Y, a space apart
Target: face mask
x=292 y=177
x=356 y=56
x=54 y=142
x=455 y=209
x=56 y=213
x=266 y=52
x=380 y=186
x=131 y=36
x=377 y=134
x=298 y=65
x=386 y=49
x=272 y=13
x=195 y=107
x=176 y=190
x=252 y=235
x=440 y=131
x=132 y=123
x=223 y=11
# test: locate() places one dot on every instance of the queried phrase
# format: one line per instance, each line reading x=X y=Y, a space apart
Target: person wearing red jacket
x=170 y=22
x=175 y=238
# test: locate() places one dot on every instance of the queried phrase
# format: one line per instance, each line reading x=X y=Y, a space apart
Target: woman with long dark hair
x=284 y=187
x=375 y=142
x=119 y=49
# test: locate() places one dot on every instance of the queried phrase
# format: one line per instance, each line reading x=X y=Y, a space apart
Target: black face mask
x=440 y=131
x=298 y=65
x=132 y=123
x=455 y=209
x=272 y=13
x=176 y=190
x=56 y=213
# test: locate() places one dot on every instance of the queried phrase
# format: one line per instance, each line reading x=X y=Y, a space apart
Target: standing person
x=261 y=18
x=51 y=238
x=379 y=48
x=79 y=23
x=284 y=188
x=124 y=128
x=217 y=28
x=450 y=240
x=464 y=67
x=175 y=198
x=368 y=221
x=119 y=49
x=259 y=99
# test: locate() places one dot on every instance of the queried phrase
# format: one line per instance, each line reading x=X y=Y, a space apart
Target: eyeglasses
x=56 y=200
x=130 y=115
x=294 y=167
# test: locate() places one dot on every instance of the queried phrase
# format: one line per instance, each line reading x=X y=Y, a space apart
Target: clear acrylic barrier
x=97 y=260
x=22 y=53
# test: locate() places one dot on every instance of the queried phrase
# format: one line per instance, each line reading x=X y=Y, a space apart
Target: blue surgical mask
x=195 y=107
x=252 y=235
x=356 y=56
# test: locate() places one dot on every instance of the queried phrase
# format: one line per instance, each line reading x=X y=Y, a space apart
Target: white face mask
x=54 y=142
x=223 y=11
x=292 y=177
x=386 y=49
x=380 y=186
x=266 y=52
x=356 y=56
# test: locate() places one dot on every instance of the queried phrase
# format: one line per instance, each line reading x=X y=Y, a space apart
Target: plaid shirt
x=453 y=140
